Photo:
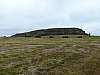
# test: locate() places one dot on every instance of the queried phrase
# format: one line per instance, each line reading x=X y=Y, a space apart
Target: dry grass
x=50 y=56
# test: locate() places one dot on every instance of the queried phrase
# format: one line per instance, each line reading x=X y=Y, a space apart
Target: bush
x=37 y=36
x=79 y=37
x=51 y=37
x=89 y=34
x=65 y=37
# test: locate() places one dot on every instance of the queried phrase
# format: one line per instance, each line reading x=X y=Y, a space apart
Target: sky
x=17 y=16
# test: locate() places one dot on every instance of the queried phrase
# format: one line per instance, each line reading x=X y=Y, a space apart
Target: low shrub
x=51 y=37
x=65 y=37
x=37 y=36
x=79 y=37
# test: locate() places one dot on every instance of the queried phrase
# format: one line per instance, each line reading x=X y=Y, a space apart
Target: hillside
x=50 y=56
x=52 y=31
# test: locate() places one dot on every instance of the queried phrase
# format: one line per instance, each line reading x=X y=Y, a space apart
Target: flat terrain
x=50 y=56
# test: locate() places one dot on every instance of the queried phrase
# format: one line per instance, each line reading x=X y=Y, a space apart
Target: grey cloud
x=85 y=17
x=25 y=15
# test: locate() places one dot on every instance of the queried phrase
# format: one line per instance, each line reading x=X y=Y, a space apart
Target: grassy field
x=50 y=56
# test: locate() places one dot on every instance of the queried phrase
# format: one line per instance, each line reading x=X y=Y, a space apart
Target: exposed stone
x=52 y=31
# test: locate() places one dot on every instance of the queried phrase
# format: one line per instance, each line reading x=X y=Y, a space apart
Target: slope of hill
x=52 y=31
x=56 y=56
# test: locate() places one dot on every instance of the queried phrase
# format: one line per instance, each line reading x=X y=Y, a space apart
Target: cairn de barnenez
x=52 y=31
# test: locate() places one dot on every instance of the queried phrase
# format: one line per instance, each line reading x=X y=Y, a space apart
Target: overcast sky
x=26 y=15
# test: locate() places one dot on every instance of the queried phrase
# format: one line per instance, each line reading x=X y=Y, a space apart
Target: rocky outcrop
x=52 y=31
